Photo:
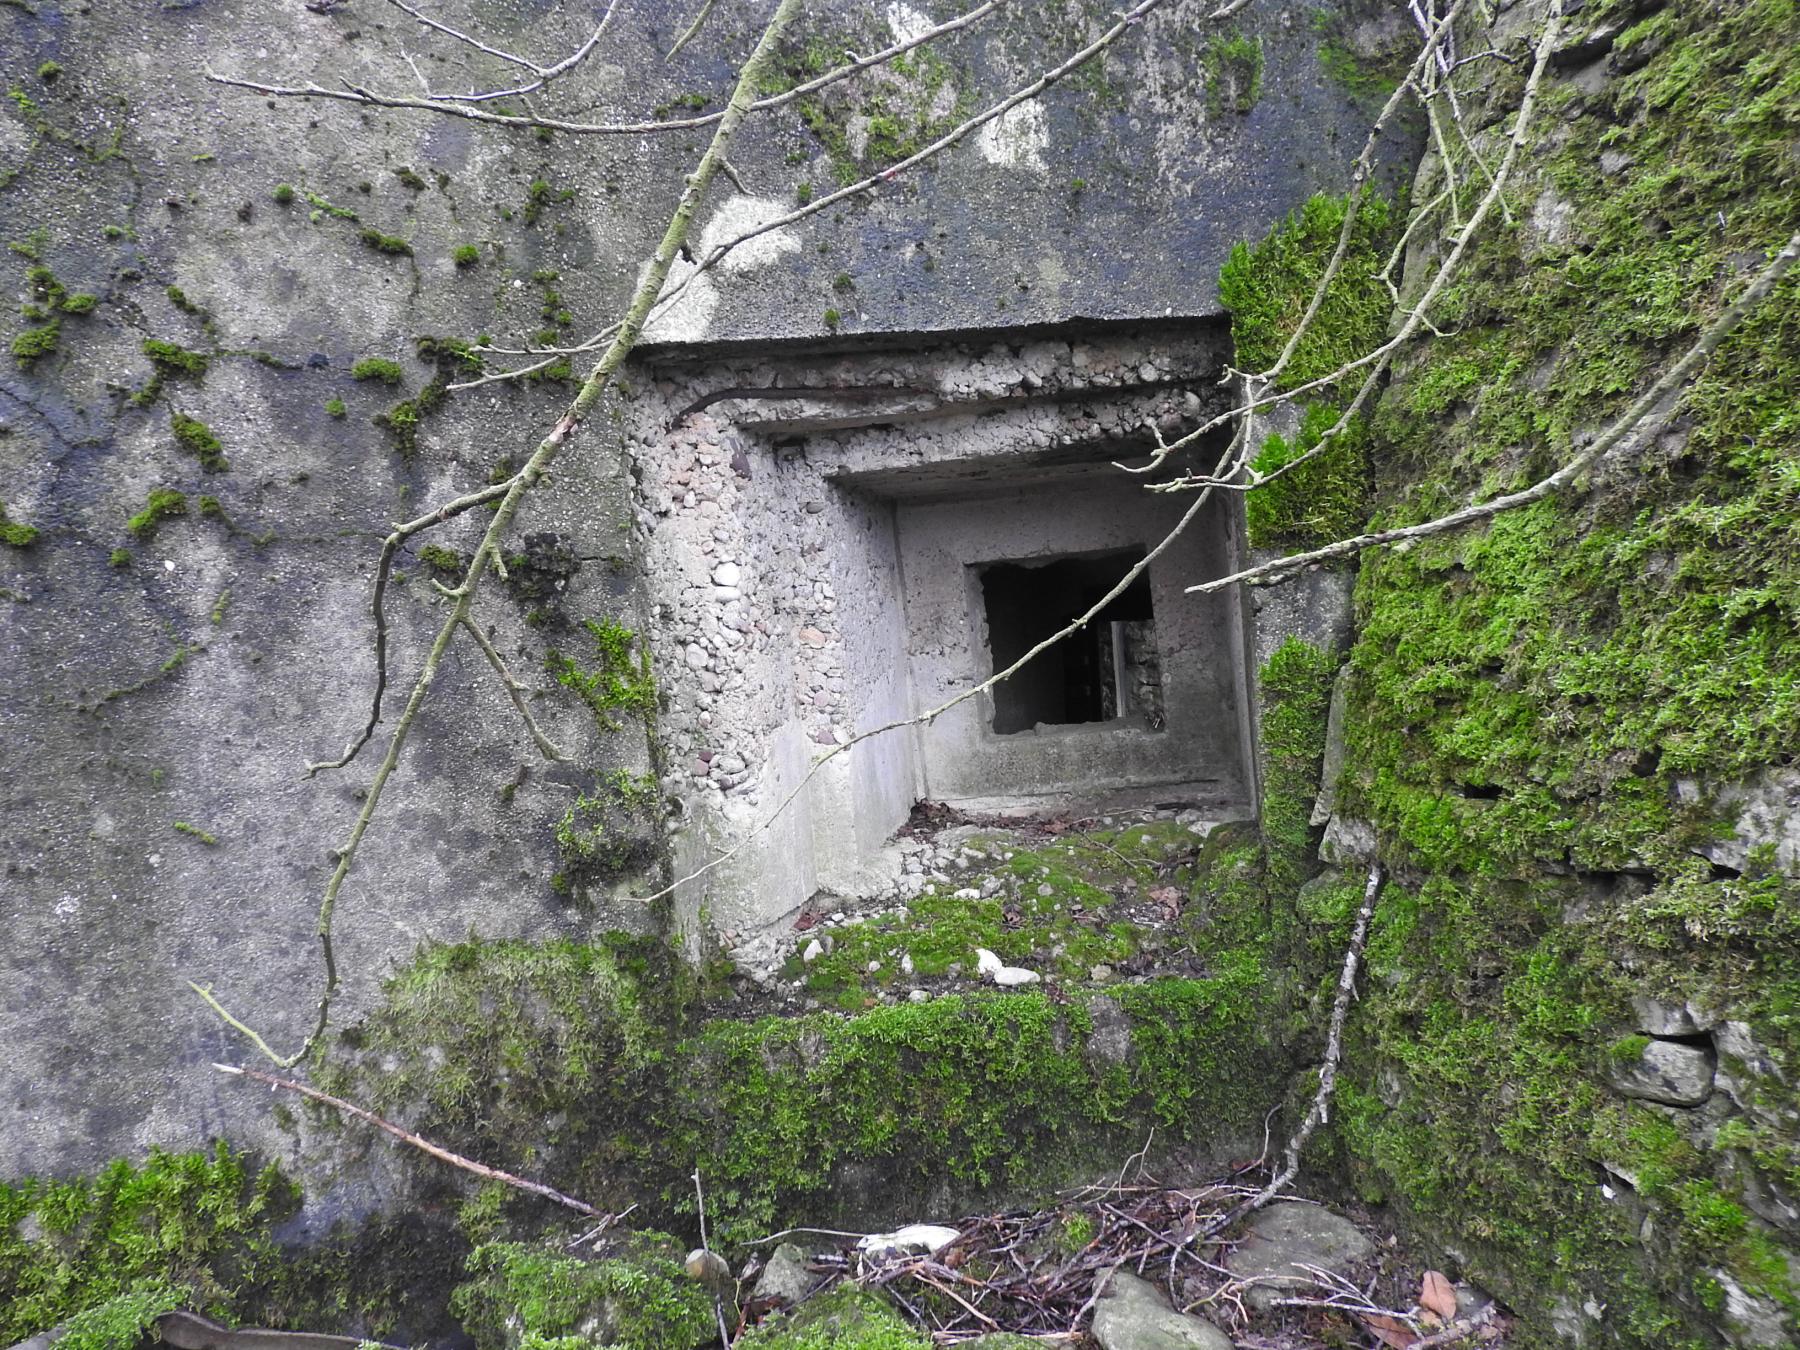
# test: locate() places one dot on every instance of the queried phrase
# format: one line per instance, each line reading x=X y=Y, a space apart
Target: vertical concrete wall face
x=815 y=529
x=185 y=669
x=1195 y=755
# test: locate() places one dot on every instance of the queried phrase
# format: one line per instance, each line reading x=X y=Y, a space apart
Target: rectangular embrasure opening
x=1109 y=671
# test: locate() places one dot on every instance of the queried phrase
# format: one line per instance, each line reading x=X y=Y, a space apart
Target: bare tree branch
x=1320 y=1110
x=688 y=35
x=1378 y=360
x=1644 y=417
x=424 y=1145
x=545 y=746
x=383 y=568
x=952 y=137
x=544 y=74
x=351 y=93
x=596 y=384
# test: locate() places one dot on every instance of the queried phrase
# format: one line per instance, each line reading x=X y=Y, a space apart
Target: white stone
x=915 y=1237
x=1010 y=976
x=727 y=574
x=814 y=950
x=918 y=996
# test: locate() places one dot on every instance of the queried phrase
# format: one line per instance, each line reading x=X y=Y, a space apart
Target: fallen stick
x=423 y=1145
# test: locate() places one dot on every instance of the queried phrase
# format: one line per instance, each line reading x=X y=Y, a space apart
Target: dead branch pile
x=1039 y=1273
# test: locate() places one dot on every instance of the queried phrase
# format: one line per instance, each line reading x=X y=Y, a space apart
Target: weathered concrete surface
x=142 y=176
x=810 y=564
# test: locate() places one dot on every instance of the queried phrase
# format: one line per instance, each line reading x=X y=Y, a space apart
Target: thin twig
x=693 y=29
x=383 y=567
x=1334 y=1045
x=351 y=93
x=950 y=138
x=1381 y=357
x=408 y=1137
x=596 y=384
x=546 y=747
x=1643 y=418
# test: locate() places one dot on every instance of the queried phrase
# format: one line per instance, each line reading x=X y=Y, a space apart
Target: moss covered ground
x=1059 y=904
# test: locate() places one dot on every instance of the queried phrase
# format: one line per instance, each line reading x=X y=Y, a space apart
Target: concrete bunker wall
x=814 y=527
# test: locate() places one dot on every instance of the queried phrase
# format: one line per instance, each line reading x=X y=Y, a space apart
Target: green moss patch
x=197 y=439
x=1539 y=705
x=377 y=368
x=1059 y=906
x=113 y=1250
x=619 y=681
x=636 y=1299
x=16 y=533
x=847 y=1318
x=159 y=505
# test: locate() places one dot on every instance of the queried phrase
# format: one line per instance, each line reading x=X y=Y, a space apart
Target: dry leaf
x=1436 y=1296
x=1389 y=1330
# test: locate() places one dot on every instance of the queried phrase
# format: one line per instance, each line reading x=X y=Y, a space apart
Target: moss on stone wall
x=1268 y=288
x=584 y=1064
x=1542 y=707
x=135 y=1240
x=847 y=1318
x=1296 y=693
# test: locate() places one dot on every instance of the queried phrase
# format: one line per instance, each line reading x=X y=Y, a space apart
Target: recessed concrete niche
x=842 y=542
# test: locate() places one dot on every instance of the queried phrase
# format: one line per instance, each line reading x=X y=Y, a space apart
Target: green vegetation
x=1368 y=81
x=611 y=830
x=587 y=1053
x=35 y=343
x=377 y=368
x=847 y=1318
x=334 y=408
x=159 y=505
x=1059 y=909
x=1234 y=71
x=15 y=534
x=197 y=439
x=465 y=255
x=540 y=1297
x=135 y=1240
x=195 y=832
x=119 y=557
x=440 y=559
x=540 y=196
x=321 y=208
x=179 y=299
x=47 y=300
x=833 y=318
x=1321 y=500
x=451 y=357
x=619 y=681
x=1296 y=692
x=898 y=118
x=173 y=361
x=1268 y=289
x=283 y=194
x=49 y=72
x=1531 y=695
x=392 y=245
x=410 y=179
